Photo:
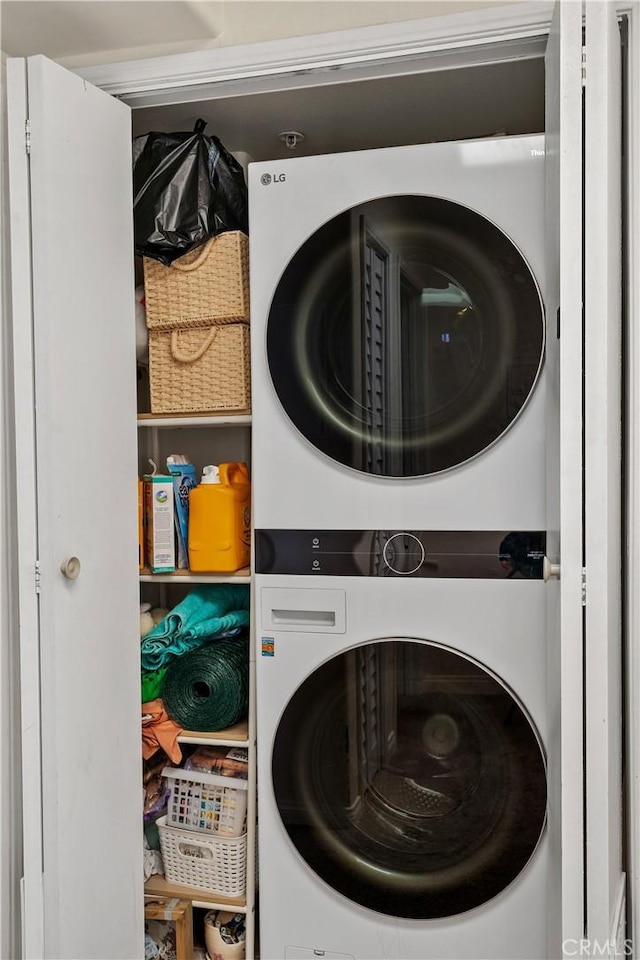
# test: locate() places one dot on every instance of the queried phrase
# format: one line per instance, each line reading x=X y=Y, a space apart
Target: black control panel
x=470 y=554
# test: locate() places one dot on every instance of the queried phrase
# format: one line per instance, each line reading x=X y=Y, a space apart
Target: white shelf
x=235 y=736
x=203 y=740
x=174 y=422
x=185 y=576
x=158 y=886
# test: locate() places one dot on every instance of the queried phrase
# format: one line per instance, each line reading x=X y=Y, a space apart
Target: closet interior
x=420 y=104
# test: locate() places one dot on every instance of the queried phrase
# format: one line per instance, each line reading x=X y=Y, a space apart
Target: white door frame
x=606 y=884
x=482 y=36
x=632 y=558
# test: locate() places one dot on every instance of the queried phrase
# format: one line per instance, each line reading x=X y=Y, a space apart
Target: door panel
x=25 y=513
x=603 y=468
x=564 y=490
x=84 y=364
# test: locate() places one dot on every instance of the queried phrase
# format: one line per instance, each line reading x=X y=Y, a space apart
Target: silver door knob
x=550 y=571
x=70 y=568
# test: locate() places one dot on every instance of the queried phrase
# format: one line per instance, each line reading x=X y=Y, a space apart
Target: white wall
x=86 y=32
x=250 y=21
x=10 y=816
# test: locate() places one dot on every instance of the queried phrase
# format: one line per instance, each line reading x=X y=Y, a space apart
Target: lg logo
x=266 y=178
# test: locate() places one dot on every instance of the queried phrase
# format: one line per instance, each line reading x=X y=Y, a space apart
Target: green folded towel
x=152 y=681
x=208 y=611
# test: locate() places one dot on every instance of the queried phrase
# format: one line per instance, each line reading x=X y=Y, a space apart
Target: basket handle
x=188 y=267
x=188 y=850
x=181 y=356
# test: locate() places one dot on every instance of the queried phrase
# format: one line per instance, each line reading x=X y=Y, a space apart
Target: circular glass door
x=405 y=336
x=409 y=779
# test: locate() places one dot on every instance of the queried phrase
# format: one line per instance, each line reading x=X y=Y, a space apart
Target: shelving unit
x=207 y=439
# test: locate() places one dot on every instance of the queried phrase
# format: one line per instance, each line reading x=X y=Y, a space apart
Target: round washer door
x=409 y=779
x=405 y=336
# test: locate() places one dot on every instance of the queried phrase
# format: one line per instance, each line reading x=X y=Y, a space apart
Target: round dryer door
x=409 y=779
x=405 y=336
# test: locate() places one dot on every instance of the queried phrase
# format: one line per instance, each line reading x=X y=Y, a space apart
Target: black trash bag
x=186 y=188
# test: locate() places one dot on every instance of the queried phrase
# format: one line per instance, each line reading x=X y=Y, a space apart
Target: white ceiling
x=83 y=32
x=66 y=28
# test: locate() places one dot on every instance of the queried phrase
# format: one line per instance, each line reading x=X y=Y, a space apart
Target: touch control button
x=403 y=553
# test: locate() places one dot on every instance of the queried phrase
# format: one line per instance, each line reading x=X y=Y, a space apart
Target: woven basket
x=200 y=371
x=208 y=285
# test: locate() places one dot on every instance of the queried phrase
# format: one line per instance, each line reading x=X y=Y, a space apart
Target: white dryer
x=401 y=763
x=398 y=337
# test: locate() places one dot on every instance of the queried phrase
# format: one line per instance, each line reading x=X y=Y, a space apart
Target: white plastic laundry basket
x=206 y=801
x=215 y=864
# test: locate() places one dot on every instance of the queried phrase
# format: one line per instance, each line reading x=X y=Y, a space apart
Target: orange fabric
x=159 y=731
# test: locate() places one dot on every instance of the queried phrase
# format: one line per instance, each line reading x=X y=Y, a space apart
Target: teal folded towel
x=207 y=612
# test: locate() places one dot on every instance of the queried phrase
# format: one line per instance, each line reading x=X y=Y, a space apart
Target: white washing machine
x=402 y=763
x=398 y=338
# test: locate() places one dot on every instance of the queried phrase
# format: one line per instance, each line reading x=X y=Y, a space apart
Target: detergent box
x=158 y=513
x=184 y=480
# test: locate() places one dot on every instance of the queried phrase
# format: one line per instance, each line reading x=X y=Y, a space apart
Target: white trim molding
x=142 y=82
x=632 y=612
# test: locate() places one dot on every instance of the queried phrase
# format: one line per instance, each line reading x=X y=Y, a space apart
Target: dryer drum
x=410 y=779
x=405 y=336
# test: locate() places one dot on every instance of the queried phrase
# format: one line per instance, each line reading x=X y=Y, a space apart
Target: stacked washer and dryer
x=400 y=410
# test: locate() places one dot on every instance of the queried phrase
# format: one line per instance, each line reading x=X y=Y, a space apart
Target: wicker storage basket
x=200 y=371
x=208 y=285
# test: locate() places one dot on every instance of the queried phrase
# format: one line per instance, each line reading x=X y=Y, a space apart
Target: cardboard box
x=158 y=513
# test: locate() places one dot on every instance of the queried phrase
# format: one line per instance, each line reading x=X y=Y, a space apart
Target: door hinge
x=27 y=135
x=584 y=586
x=37 y=572
x=584 y=66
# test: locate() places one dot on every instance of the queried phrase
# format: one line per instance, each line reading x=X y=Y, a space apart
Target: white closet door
x=83 y=896
x=565 y=472
x=603 y=407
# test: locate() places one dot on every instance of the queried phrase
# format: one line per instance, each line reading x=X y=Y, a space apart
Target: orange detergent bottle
x=220 y=520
